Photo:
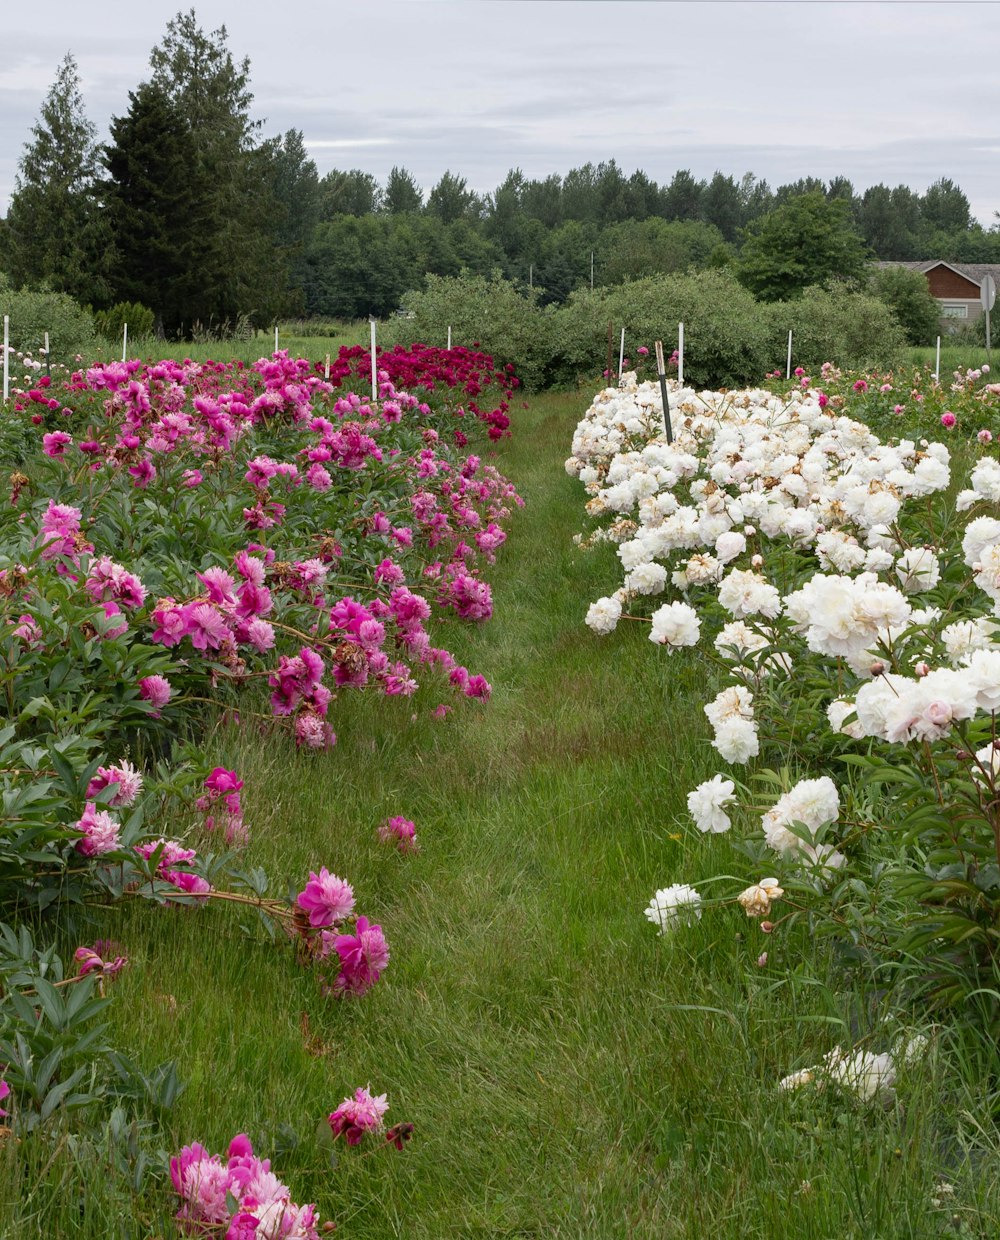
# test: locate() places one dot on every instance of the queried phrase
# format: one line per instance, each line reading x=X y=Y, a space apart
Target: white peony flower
x=707 y=803
x=674 y=906
x=603 y=616
x=918 y=569
x=757 y=900
x=675 y=624
x=736 y=740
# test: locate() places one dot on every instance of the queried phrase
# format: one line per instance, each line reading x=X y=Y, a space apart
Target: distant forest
x=191 y=211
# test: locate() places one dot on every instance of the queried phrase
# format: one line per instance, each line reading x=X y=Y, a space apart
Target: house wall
x=955 y=322
x=945 y=283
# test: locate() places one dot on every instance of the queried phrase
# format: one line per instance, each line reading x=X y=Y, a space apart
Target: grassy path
x=569 y=1074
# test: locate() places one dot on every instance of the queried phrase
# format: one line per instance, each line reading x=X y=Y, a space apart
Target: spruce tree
x=159 y=221
x=52 y=226
x=240 y=270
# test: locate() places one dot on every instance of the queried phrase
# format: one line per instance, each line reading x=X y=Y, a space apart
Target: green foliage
x=808 y=240
x=836 y=325
x=490 y=311
x=33 y=313
x=110 y=324
x=634 y=250
x=725 y=331
x=53 y=234
x=908 y=295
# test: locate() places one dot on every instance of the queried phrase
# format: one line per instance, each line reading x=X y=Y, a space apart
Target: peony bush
x=184 y=542
x=846 y=590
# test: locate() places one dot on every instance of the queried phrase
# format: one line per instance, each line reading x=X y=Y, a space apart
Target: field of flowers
x=185 y=542
x=844 y=592
x=411 y=924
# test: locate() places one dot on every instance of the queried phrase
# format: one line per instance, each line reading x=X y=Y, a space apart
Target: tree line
x=190 y=210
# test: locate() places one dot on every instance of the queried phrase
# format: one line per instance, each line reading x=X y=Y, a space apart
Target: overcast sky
x=895 y=92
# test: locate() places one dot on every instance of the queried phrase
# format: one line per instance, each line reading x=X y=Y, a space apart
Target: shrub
x=110 y=323
x=483 y=312
x=853 y=330
x=907 y=294
x=725 y=332
x=32 y=314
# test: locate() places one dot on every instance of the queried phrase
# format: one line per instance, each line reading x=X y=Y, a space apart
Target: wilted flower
x=756 y=900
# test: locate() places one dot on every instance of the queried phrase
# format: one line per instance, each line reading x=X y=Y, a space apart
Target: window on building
x=955 y=312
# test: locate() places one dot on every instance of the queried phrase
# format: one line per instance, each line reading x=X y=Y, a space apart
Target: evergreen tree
x=159 y=219
x=52 y=232
x=681 y=199
x=402 y=194
x=452 y=200
x=242 y=271
x=721 y=206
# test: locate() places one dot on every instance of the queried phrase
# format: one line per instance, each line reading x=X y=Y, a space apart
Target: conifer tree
x=52 y=225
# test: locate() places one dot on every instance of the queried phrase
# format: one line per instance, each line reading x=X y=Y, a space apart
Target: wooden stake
x=326 y=368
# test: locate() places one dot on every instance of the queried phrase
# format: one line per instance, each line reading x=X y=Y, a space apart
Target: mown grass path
x=569 y=1073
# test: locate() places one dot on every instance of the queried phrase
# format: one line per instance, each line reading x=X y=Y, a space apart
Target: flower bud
x=877 y=669
x=767 y=926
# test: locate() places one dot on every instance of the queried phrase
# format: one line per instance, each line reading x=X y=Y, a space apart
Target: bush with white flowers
x=851 y=608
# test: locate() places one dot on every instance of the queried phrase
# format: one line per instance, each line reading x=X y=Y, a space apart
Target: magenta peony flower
x=363 y=956
x=100 y=831
x=400 y=831
x=156 y=690
x=125 y=776
x=358 y=1115
x=326 y=898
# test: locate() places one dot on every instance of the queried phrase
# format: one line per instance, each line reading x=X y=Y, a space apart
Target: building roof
x=976 y=272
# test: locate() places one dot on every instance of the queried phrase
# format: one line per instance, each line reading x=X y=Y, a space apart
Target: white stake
x=374 y=375
x=449 y=339
x=680 y=354
x=937 y=363
x=46 y=344
x=788 y=364
x=124 y=341
x=326 y=369
x=621 y=357
x=275 y=337
x=6 y=345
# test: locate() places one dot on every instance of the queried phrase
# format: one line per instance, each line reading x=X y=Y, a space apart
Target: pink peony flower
x=985 y=436
x=400 y=831
x=358 y=1115
x=363 y=956
x=948 y=419
x=127 y=779
x=90 y=960
x=156 y=690
x=100 y=831
x=326 y=898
